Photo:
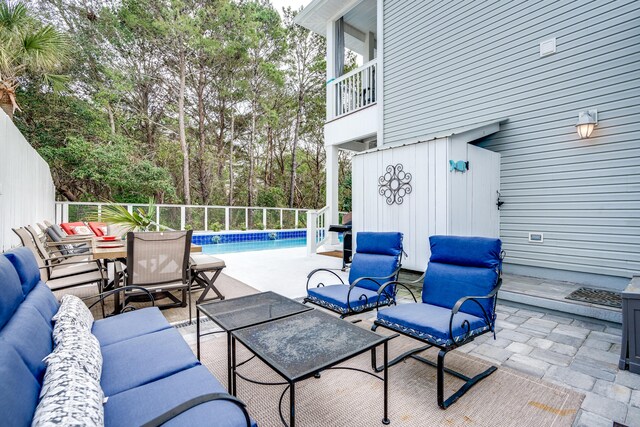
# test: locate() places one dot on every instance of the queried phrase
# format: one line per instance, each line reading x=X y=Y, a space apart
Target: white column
x=331 y=46
x=332 y=189
x=369 y=47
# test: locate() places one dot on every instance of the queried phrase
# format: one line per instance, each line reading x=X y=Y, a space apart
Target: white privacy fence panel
x=27 y=193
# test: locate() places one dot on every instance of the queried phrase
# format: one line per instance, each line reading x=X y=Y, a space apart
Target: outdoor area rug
x=348 y=398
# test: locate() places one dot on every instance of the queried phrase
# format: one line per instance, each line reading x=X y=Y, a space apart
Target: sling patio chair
x=459 y=292
x=56 y=263
x=377 y=260
x=159 y=262
x=68 y=274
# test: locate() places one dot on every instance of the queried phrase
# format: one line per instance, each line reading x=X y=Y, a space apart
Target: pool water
x=256 y=245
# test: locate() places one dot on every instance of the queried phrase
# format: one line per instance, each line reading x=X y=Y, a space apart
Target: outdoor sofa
x=149 y=374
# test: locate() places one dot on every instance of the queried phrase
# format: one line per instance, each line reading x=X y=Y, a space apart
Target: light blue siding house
x=510 y=78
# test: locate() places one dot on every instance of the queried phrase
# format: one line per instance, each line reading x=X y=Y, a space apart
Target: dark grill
x=597 y=296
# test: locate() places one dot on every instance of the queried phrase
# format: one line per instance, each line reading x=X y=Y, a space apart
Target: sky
x=295 y=4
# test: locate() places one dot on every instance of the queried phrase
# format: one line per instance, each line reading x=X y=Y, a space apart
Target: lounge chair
x=376 y=261
x=159 y=262
x=459 y=293
x=64 y=272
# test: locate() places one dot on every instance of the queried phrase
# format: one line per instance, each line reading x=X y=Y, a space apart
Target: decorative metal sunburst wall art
x=394 y=184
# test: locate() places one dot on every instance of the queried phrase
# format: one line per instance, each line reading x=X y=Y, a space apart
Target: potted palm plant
x=138 y=219
x=28 y=48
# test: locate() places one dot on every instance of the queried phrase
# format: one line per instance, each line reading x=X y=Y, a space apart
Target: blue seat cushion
x=137 y=361
x=30 y=335
x=19 y=391
x=26 y=265
x=43 y=300
x=334 y=297
x=11 y=295
x=430 y=322
x=129 y=325
x=141 y=404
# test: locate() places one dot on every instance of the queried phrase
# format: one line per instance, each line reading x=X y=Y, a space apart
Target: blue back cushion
x=43 y=300
x=19 y=391
x=10 y=290
x=30 y=335
x=377 y=255
x=27 y=267
x=460 y=267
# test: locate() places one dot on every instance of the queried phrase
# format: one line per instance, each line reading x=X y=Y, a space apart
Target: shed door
x=484 y=176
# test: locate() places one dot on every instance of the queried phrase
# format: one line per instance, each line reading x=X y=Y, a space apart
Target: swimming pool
x=255 y=245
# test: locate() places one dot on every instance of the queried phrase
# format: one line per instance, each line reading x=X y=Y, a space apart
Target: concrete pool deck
x=279 y=270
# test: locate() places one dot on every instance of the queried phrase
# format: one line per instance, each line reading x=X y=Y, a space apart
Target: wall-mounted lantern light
x=587 y=121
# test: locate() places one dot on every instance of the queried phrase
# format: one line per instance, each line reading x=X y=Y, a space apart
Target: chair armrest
x=104 y=295
x=185 y=406
x=322 y=269
x=462 y=300
x=375 y=279
x=465 y=323
x=394 y=283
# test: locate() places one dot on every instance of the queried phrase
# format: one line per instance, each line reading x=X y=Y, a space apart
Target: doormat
x=597 y=296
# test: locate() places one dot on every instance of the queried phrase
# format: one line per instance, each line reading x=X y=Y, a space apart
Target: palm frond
x=45 y=49
x=12 y=15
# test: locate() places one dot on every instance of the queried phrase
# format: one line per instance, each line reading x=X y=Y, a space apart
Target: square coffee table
x=237 y=313
x=301 y=346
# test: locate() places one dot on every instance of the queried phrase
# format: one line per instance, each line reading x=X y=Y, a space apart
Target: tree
x=28 y=48
x=306 y=69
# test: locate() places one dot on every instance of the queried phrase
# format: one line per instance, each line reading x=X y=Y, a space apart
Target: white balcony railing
x=353 y=91
x=317 y=229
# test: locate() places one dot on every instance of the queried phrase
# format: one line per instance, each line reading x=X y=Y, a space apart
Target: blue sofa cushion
x=25 y=264
x=11 y=292
x=129 y=325
x=481 y=252
x=43 y=300
x=30 y=334
x=141 y=404
x=380 y=243
x=19 y=391
x=334 y=297
x=137 y=361
x=430 y=322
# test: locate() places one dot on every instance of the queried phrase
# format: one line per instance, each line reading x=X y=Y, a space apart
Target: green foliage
x=216 y=226
x=28 y=47
x=137 y=220
x=117 y=135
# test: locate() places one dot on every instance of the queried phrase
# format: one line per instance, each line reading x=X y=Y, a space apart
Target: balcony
x=353 y=91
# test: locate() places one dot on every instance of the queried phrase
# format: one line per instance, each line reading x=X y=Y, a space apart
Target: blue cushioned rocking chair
x=376 y=261
x=459 y=295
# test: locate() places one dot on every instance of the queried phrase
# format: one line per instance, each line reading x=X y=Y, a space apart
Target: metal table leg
x=386 y=420
x=198 y=333
x=232 y=384
x=292 y=404
x=229 y=379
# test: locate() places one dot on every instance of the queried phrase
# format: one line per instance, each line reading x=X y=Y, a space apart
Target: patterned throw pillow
x=82 y=229
x=80 y=350
x=74 y=309
x=69 y=397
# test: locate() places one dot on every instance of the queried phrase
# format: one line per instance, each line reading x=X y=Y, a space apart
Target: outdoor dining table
x=117 y=249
